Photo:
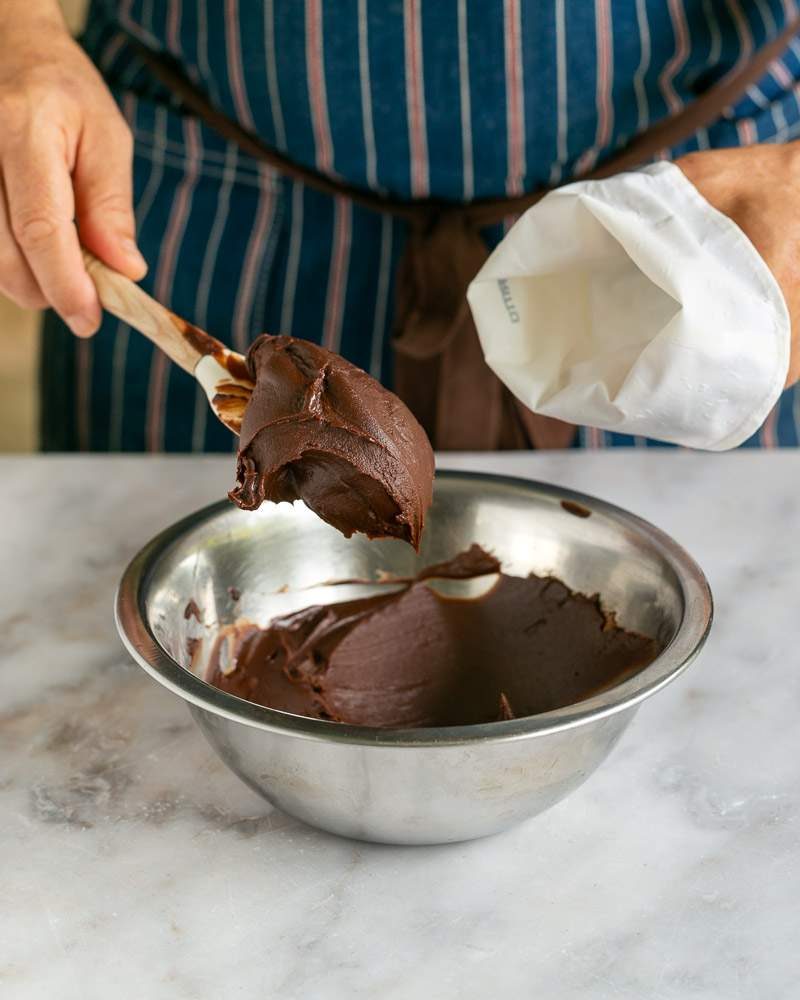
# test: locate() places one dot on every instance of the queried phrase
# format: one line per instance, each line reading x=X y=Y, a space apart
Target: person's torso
x=449 y=97
x=460 y=98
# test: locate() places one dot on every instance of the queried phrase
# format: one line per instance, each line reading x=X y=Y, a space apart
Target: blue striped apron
x=455 y=99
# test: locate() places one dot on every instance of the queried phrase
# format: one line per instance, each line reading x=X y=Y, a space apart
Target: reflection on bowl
x=420 y=785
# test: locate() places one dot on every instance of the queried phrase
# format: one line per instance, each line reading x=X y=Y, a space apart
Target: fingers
x=41 y=208
x=104 y=198
x=16 y=279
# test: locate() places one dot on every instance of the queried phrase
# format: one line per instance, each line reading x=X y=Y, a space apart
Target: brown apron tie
x=437 y=347
x=439 y=367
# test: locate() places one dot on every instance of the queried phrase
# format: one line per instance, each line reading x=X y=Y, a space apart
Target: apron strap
x=439 y=367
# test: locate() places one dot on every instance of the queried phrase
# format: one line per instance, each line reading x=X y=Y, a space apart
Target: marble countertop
x=133 y=864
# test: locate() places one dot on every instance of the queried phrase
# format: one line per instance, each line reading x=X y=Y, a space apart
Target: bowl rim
x=138 y=638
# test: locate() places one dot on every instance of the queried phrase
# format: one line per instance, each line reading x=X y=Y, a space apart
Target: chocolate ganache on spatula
x=320 y=430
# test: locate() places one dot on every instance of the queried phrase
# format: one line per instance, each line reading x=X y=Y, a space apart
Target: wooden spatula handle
x=123 y=298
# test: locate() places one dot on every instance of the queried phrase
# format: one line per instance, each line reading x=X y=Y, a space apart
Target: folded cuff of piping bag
x=631 y=304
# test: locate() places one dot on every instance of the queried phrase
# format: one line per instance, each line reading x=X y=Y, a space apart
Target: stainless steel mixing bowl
x=411 y=786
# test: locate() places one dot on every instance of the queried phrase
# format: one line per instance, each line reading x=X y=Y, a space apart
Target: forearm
x=16 y=15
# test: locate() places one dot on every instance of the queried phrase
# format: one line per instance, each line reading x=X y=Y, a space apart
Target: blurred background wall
x=19 y=343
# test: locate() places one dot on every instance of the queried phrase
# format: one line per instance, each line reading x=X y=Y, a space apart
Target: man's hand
x=759 y=188
x=65 y=159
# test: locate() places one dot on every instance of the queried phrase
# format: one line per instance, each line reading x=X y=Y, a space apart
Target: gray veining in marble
x=134 y=865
